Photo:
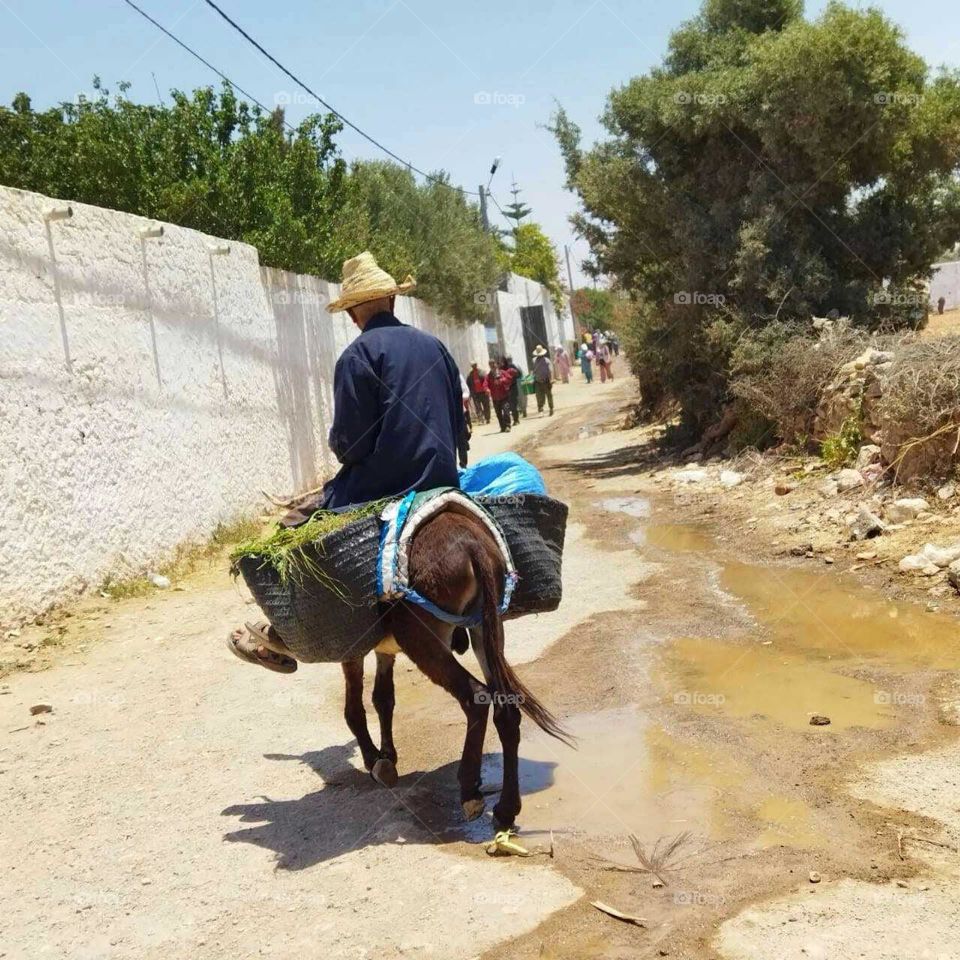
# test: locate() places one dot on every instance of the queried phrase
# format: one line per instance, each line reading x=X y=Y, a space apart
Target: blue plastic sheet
x=502 y=474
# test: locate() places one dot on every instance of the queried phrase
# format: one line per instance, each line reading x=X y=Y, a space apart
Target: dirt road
x=179 y=804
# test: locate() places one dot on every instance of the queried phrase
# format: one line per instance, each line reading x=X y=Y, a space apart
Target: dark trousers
x=513 y=402
x=481 y=405
x=544 y=390
x=463 y=441
x=503 y=413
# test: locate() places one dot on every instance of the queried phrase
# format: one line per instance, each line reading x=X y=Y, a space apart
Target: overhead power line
x=329 y=107
x=193 y=53
x=266 y=109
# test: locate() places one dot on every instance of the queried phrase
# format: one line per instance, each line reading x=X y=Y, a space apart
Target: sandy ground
x=941 y=324
x=179 y=804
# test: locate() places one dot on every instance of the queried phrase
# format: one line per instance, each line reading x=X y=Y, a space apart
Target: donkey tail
x=505 y=681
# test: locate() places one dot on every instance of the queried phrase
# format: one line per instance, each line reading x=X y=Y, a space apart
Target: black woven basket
x=534 y=527
x=331 y=618
x=335 y=617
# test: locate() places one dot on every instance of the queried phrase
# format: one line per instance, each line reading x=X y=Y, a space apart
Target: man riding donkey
x=398 y=414
x=397 y=419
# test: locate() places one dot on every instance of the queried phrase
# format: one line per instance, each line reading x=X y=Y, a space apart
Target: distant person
x=586 y=362
x=499 y=382
x=508 y=364
x=479 y=392
x=941 y=303
x=542 y=379
x=605 y=362
x=562 y=362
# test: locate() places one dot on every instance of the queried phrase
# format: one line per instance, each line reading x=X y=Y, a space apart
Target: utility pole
x=483 y=209
x=573 y=316
x=493 y=305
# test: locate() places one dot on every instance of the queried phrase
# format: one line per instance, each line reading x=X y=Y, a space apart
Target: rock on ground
x=849 y=479
x=906 y=509
x=866 y=525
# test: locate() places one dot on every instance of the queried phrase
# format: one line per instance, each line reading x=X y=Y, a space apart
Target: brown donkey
x=454 y=562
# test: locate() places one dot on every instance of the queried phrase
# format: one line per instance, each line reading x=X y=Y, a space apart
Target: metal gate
x=534 y=331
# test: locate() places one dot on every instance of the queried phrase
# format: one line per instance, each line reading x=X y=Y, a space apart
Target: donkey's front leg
x=425 y=641
x=354 y=713
x=385 y=769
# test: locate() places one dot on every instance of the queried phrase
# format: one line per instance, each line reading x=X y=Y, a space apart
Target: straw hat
x=363 y=281
x=539 y=351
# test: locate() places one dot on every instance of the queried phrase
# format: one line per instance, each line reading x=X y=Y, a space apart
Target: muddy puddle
x=631 y=776
x=808 y=627
x=817 y=646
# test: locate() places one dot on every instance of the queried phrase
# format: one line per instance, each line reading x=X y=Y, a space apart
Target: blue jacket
x=397 y=414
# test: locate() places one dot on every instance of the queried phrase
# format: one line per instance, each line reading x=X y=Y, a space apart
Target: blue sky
x=413 y=73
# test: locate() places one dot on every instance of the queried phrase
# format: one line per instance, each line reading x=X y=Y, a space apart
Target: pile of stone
x=855 y=393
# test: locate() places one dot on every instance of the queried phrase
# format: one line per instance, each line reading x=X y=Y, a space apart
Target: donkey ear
x=460 y=640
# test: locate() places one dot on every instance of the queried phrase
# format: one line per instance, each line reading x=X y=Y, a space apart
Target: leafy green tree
x=428 y=230
x=593 y=308
x=534 y=256
x=214 y=163
x=771 y=167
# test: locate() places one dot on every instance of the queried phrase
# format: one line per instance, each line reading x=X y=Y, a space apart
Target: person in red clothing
x=499 y=382
x=479 y=392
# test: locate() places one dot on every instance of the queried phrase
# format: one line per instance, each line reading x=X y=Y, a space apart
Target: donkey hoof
x=504 y=818
x=473 y=808
x=385 y=773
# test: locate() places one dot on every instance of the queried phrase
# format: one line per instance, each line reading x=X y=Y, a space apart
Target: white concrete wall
x=523 y=292
x=149 y=390
x=945 y=282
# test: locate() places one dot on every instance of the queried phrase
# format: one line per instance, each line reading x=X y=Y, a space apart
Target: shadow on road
x=351 y=812
x=634 y=459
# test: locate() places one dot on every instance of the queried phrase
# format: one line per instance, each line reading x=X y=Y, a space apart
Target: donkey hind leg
x=385 y=769
x=506 y=719
x=425 y=641
x=354 y=713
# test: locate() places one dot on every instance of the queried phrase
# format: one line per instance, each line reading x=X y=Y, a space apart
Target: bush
x=841 y=449
x=920 y=407
x=780 y=373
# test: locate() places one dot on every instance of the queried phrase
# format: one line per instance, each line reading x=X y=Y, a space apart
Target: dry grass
x=946 y=324
x=185 y=560
x=920 y=406
x=785 y=383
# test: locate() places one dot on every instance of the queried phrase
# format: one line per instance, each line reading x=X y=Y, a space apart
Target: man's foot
x=243 y=643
